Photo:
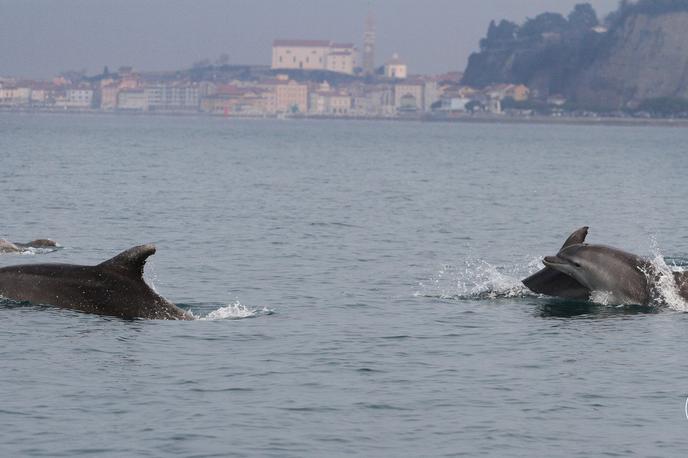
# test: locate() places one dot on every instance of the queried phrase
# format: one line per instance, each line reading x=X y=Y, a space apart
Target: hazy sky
x=40 y=38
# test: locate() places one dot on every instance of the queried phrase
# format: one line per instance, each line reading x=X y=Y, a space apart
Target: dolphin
x=14 y=247
x=8 y=247
x=579 y=269
x=115 y=287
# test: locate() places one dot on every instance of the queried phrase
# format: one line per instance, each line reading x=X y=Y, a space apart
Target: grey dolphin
x=38 y=243
x=579 y=269
x=552 y=282
x=115 y=287
x=8 y=247
x=14 y=247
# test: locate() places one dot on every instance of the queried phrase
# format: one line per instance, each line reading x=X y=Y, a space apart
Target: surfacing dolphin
x=579 y=269
x=115 y=287
x=15 y=247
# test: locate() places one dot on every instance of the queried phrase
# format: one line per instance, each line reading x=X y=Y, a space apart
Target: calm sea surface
x=358 y=284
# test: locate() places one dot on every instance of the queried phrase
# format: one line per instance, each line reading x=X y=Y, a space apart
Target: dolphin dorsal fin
x=131 y=261
x=577 y=237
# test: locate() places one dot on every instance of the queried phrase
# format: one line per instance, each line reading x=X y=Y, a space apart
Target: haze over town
x=42 y=38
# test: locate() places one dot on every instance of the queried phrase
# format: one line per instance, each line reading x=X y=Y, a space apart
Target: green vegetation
x=553 y=54
x=665 y=106
x=536 y=106
x=542 y=24
x=582 y=18
x=515 y=54
x=507 y=33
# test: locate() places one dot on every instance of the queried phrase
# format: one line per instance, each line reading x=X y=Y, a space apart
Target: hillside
x=641 y=54
x=645 y=57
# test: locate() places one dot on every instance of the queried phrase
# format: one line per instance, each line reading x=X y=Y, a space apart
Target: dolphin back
x=115 y=287
x=130 y=262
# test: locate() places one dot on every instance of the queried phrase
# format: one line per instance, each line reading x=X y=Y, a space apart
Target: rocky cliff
x=642 y=56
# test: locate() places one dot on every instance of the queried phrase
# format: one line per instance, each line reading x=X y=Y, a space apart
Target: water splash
x=32 y=251
x=235 y=311
x=478 y=279
x=605 y=298
x=665 y=289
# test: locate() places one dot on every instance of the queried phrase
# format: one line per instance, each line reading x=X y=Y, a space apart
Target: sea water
x=357 y=284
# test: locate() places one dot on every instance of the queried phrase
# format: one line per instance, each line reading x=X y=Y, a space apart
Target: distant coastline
x=479 y=118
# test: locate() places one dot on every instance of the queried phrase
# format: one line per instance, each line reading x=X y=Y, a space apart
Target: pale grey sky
x=40 y=38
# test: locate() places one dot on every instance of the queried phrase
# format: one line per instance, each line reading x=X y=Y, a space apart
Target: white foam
x=32 y=251
x=606 y=298
x=478 y=279
x=665 y=284
x=235 y=311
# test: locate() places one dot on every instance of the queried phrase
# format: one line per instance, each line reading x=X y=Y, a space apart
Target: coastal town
x=318 y=78
x=306 y=78
x=308 y=91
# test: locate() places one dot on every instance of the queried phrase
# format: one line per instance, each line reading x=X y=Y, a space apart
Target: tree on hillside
x=503 y=33
x=543 y=23
x=582 y=18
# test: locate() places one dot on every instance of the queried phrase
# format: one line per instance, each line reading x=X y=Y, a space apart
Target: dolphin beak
x=553 y=261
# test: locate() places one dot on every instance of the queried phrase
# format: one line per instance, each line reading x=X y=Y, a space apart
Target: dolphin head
x=575 y=261
x=603 y=269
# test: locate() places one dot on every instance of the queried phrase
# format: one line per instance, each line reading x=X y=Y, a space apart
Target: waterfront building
x=374 y=101
x=174 y=96
x=494 y=105
x=313 y=55
x=396 y=68
x=132 y=100
x=233 y=100
x=326 y=101
x=408 y=96
x=39 y=95
x=454 y=104
x=518 y=92
x=78 y=97
x=108 y=96
x=285 y=96
x=431 y=94
x=15 y=96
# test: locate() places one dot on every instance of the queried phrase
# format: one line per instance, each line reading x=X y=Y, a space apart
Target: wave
x=665 y=289
x=235 y=311
x=31 y=251
x=478 y=279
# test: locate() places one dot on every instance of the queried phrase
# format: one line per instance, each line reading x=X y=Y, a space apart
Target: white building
x=326 y=101
x=395 y=68
x=15 y=96
x=455 y=104
x=374 y=101
x=79 y=98
x=409 y=96
x=431 y=94
x=132 y=100
x=314 y=55
x=172 y=96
